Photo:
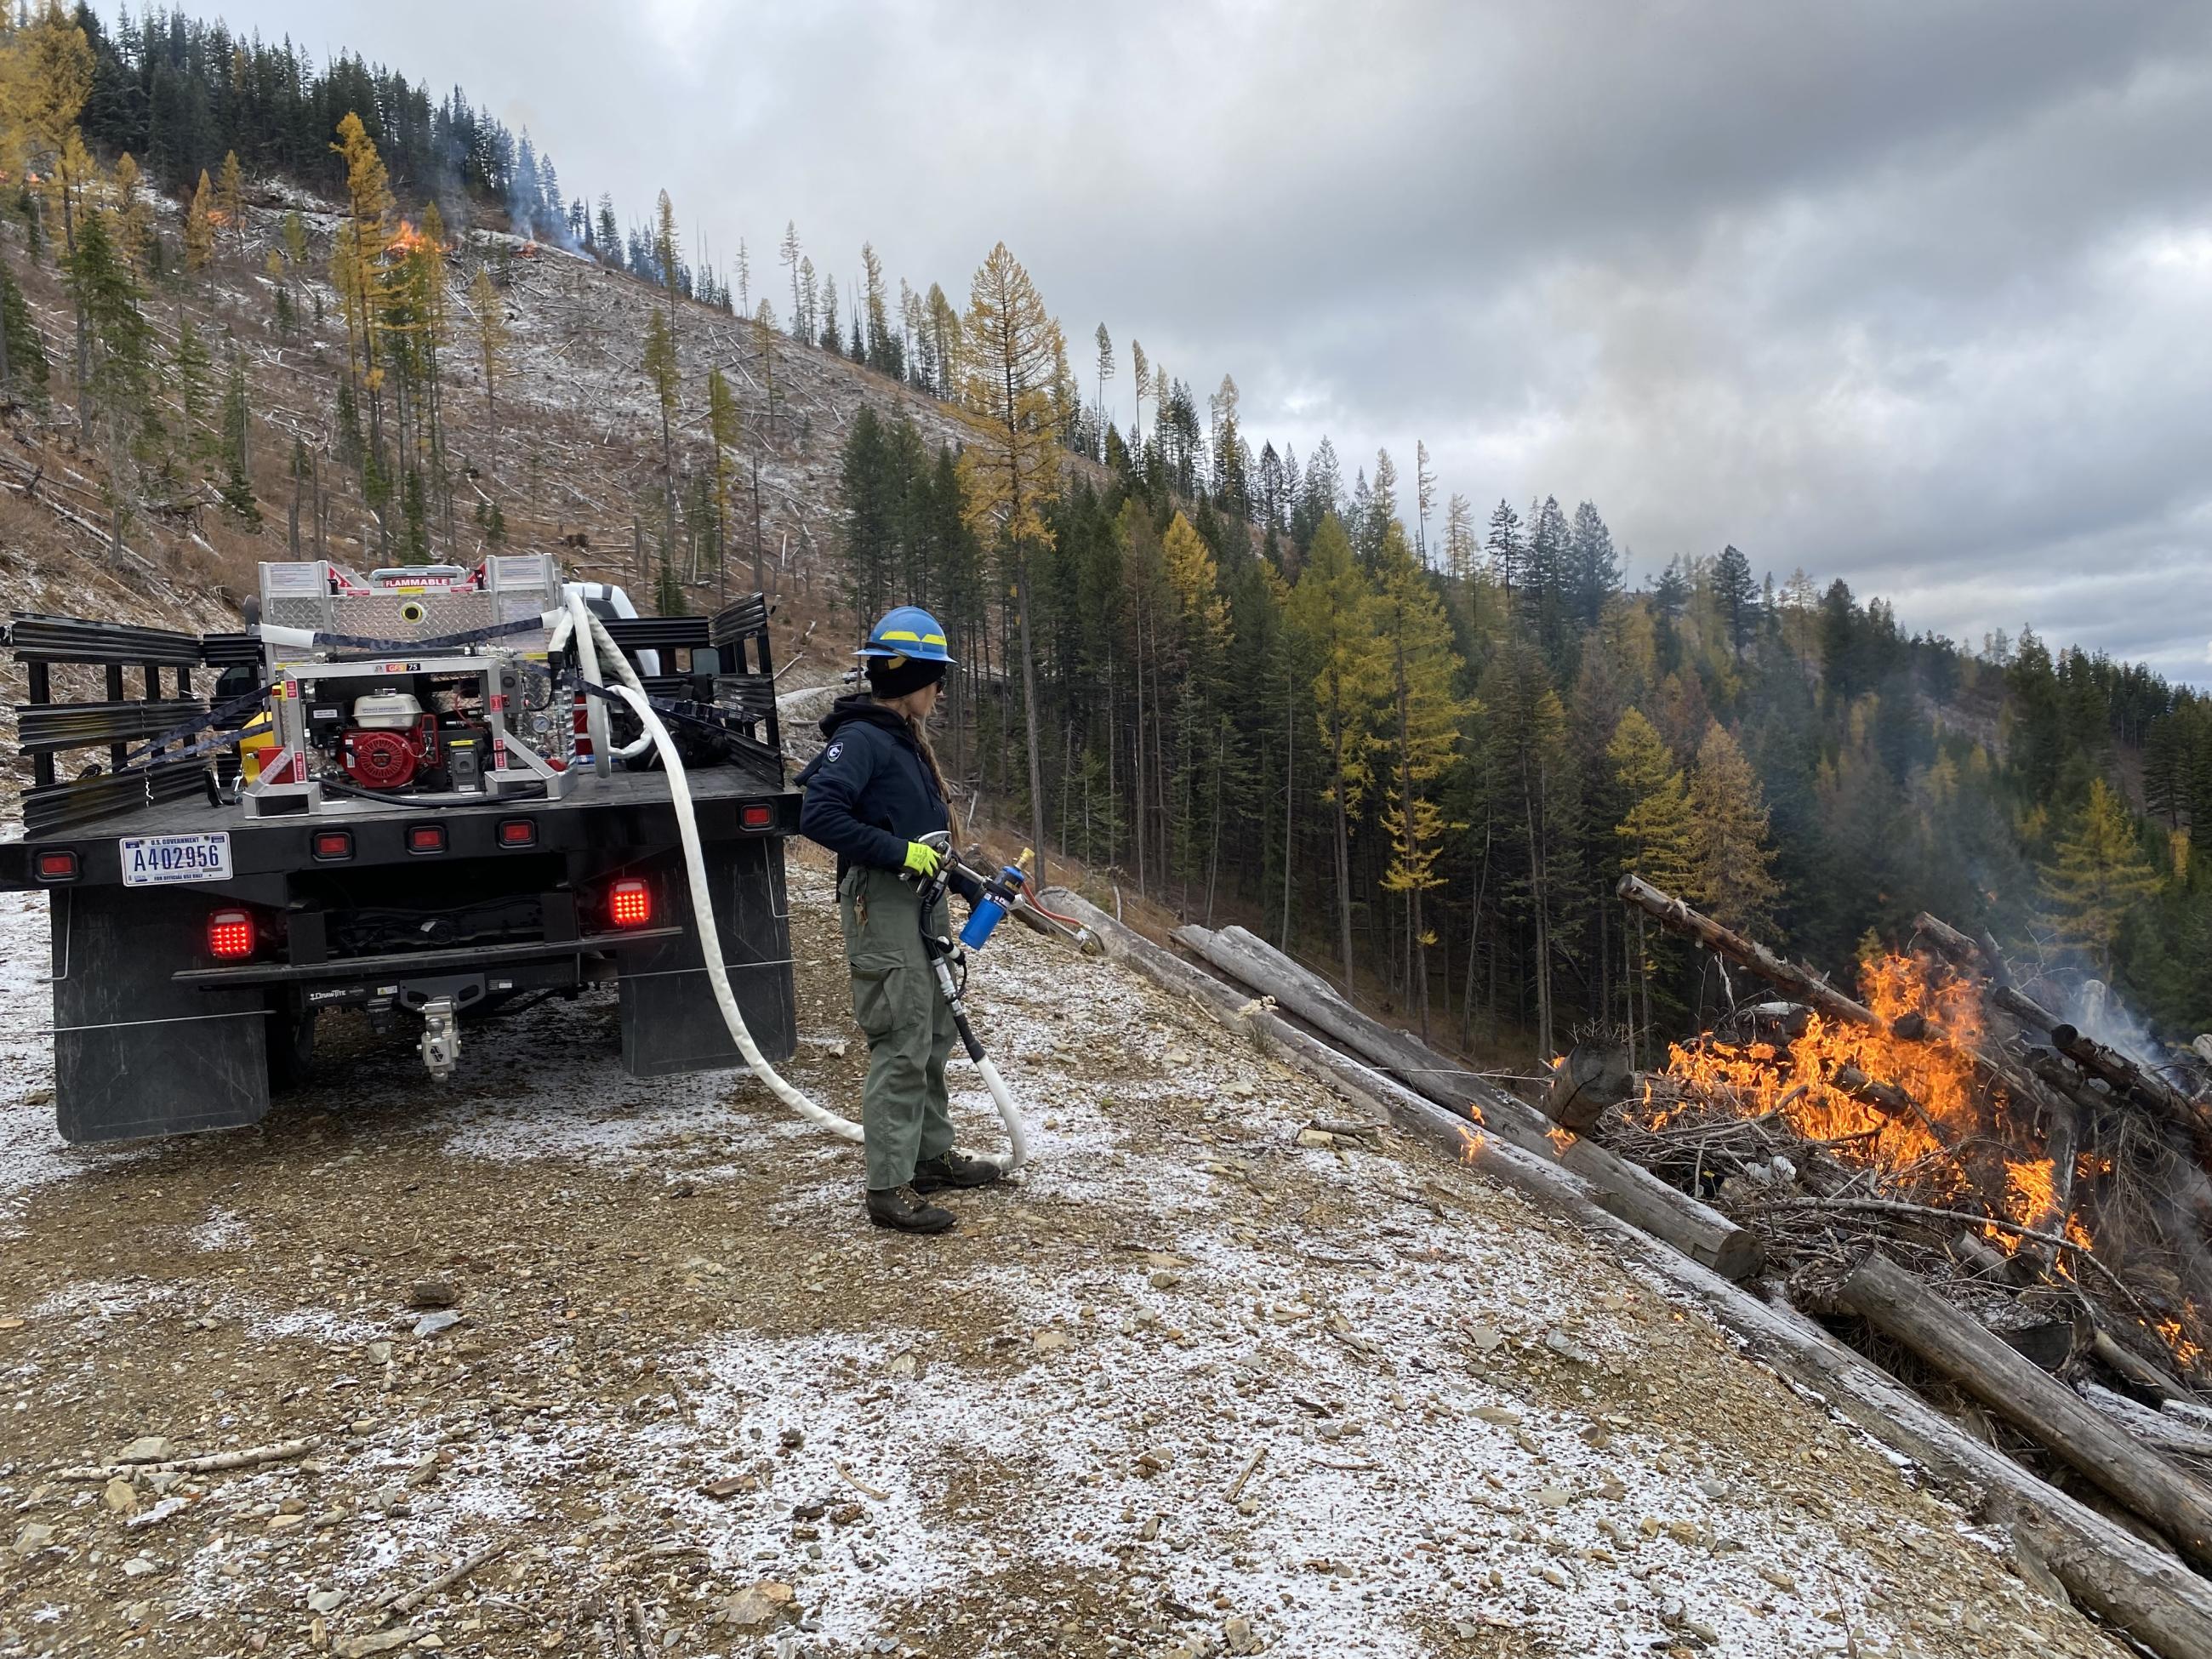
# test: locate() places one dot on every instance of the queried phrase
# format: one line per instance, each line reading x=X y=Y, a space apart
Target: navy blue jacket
x=870 y=791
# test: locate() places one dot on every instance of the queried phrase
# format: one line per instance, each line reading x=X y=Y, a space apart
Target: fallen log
x=1628 y=1190
x=2154 y=1428
x=400 y=1603
x=1803 y=983
x=2142 y=1591
x=2127 y=1077
x=1593 y=1078
x=1903 y=1309
x=247 y=1458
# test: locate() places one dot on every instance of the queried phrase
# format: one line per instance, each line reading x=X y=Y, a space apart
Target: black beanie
x=894 y=676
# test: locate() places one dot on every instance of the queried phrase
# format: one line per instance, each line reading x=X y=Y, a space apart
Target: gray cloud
x=1917 y=294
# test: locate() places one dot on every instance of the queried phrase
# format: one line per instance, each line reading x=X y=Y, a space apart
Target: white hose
x=718 y=976
x=587 y=659
x=1018 y=1139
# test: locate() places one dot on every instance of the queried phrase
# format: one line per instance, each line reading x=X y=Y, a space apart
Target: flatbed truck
x=400 y=795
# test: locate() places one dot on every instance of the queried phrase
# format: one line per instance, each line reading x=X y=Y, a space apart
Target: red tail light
x=756 y=817
x=630 y=904
x=58 y=867
x=230 y=935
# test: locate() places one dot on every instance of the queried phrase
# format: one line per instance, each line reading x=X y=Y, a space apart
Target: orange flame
x=1472 y=1144
x=2033 y=1188
x=2187 y=1352
x=1802 y=1080
x=1560 y=1138
x=407 y=240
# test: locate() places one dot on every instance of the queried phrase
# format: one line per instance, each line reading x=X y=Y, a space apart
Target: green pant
x=909 y=1028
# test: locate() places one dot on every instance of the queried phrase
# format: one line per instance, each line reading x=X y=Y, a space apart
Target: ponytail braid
x=929 y=758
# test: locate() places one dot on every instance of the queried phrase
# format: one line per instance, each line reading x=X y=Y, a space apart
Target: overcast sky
x=1915 y=294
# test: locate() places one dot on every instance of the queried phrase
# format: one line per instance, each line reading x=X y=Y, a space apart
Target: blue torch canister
x=986 y=915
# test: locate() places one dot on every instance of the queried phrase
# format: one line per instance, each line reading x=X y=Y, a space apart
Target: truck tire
x=291 y=1041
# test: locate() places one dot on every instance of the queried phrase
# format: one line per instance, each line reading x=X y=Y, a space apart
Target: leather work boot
x=935 y=1175
x=898 y=1208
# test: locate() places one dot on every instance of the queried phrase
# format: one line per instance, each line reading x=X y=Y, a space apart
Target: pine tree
x=1011 y=469
x=1508 y=554
x=117 y=396
x=1140 y=370
x=1736 y=591
x=237 y=425
x=23 y=366
x=1425 y=499
x=189 y=365
x=2098 y=878
x=199 y=227
x=1595 y=565
x=884 y=355
x=230 y=200
x=1105 y=343
x=1734 y=862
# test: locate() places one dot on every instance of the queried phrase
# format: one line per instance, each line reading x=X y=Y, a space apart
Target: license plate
x=161 y=860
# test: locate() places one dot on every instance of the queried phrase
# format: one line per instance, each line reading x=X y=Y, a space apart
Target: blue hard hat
x=909 y=631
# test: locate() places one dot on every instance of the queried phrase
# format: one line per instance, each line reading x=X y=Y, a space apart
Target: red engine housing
x=382 y=758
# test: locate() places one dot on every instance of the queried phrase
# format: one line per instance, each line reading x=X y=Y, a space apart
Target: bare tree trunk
x=1029 y=720
x=1474 y=934
x=1138 y=735
x=1290 y=793
x=1343 y=858
x=1532 y=801
x=1213 y=858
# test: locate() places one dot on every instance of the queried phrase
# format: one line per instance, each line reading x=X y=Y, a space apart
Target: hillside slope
x=576 y=463
x=687 y=1380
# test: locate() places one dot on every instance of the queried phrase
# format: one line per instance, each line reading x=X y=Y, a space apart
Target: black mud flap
x=670 y=1020
x=134 y=1054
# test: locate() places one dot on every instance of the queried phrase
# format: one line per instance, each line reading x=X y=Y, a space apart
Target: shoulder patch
x=833 y=751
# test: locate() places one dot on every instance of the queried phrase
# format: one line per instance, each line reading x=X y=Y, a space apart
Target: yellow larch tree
x=1009 y=344
x=230 y=200
x=1331 y=617
x=199 y=226
x=1420 y=729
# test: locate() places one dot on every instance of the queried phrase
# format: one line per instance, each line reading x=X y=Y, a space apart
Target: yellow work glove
x=922 y=860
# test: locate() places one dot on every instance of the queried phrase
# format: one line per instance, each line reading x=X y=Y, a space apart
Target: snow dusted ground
x=1187 y=1388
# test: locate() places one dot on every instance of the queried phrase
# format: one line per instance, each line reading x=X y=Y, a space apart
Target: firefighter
x=871 y=794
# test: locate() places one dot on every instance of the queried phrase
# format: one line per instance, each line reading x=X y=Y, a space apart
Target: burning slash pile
x=2011 y=1177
